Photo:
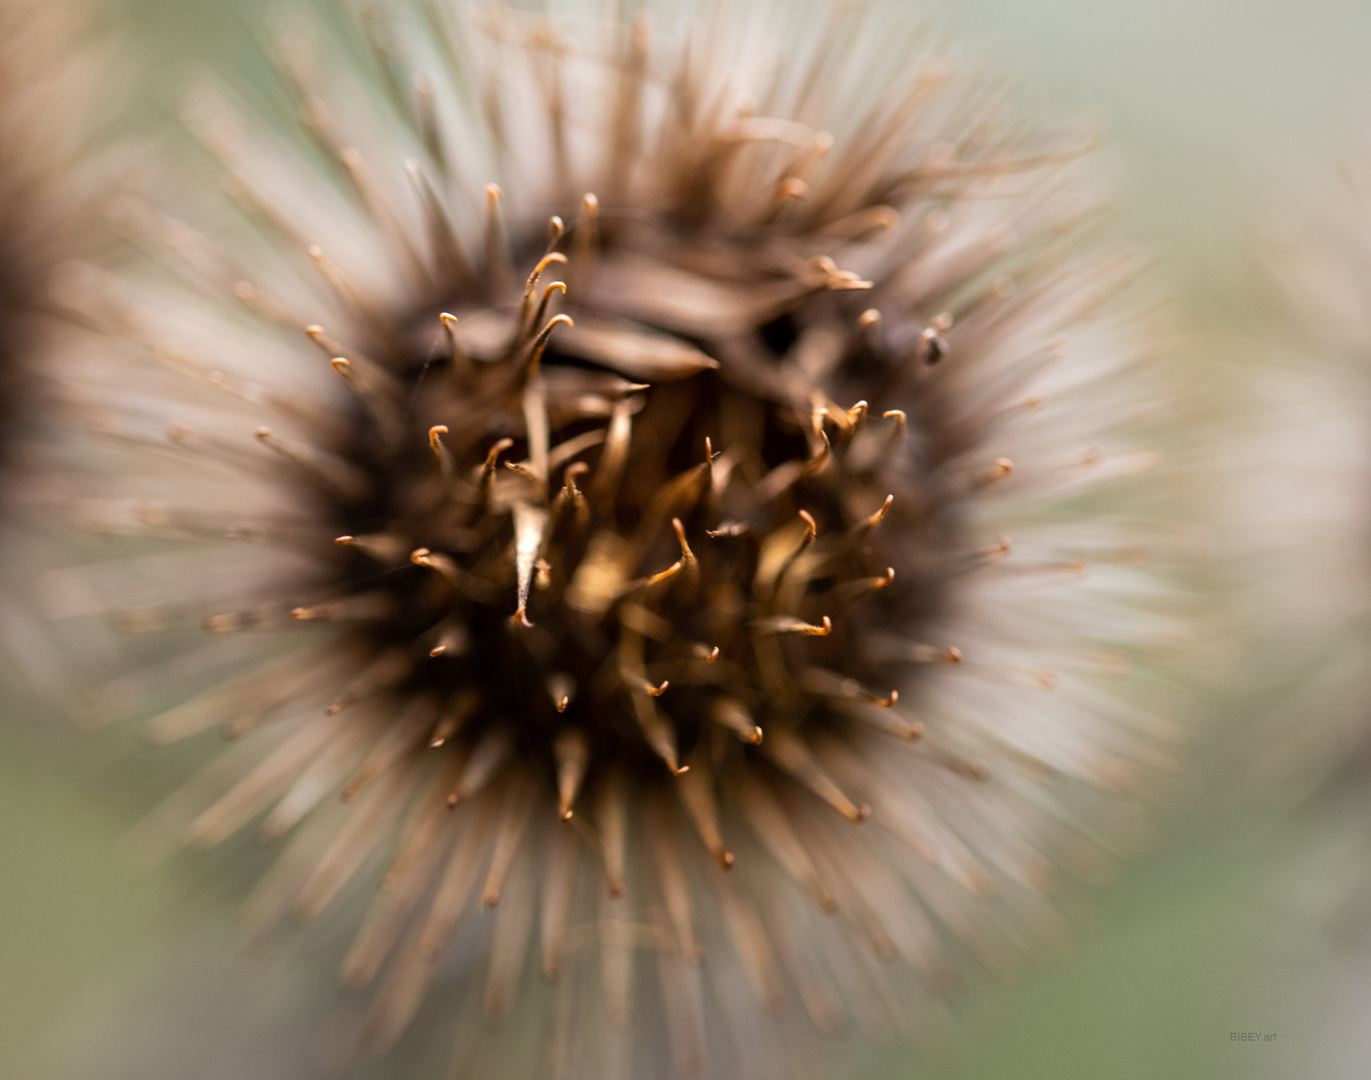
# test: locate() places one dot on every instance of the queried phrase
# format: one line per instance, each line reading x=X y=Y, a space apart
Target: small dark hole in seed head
x=779 y=334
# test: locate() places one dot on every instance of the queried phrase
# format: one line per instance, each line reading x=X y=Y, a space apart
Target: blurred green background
x=1238 y=920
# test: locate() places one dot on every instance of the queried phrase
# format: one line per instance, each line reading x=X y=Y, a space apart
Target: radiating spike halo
x=666 y=715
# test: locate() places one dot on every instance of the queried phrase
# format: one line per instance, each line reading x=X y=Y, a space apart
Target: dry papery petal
x=637 y=422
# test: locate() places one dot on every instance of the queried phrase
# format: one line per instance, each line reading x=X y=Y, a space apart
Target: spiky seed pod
x=52 y=58
x=1301 y=502
x=46 y=71
x=648 y=552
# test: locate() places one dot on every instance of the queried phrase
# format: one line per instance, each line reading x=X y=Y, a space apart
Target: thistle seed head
x=46 y=67
x=644 y=516
x=1304 y=442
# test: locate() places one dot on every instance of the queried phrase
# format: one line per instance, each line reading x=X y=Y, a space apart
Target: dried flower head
x=45 y=75
x=646 y=553
x=51 y=60
x=1302 y=503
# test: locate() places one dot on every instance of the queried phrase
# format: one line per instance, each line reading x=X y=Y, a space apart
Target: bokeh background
x=1249 y=914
